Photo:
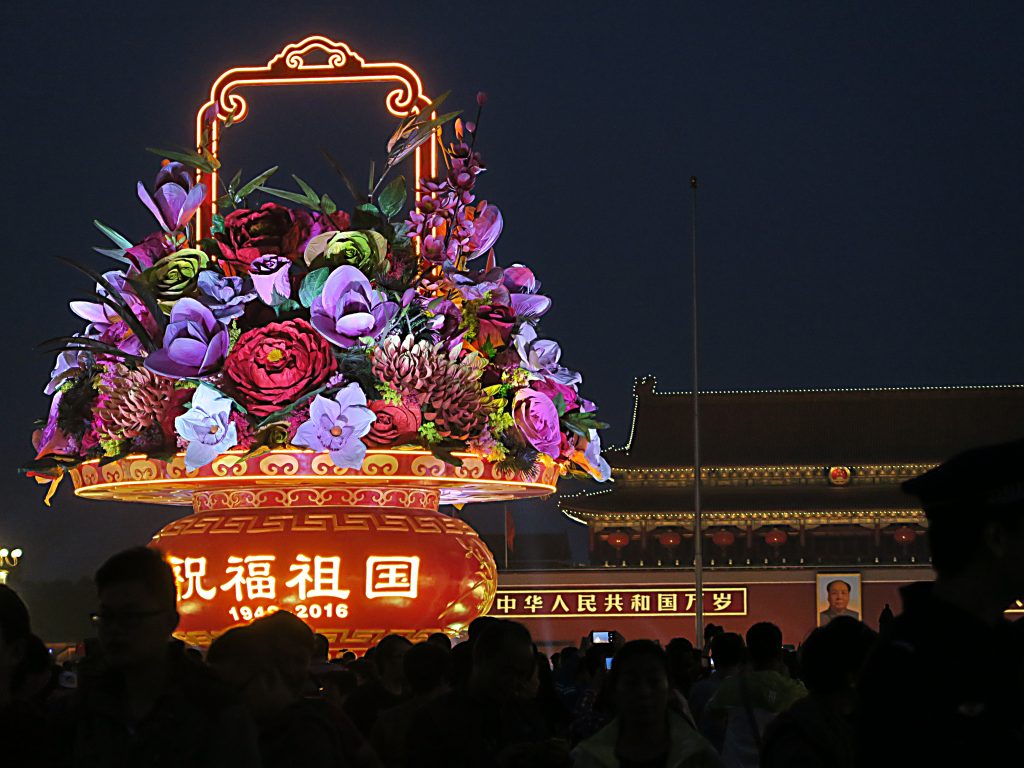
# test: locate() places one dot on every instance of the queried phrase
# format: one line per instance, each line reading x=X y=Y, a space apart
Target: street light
x=8 y=560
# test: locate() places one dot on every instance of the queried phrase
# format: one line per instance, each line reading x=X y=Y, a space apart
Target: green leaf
x=445 y=454
x=279 y=415
x=581 y=423
x=115 y=237
x=188 y=158
x=327 y=205
x=217 y=226
x=250 y=187
x=559 y=401
x=313 y=197
x=288 y=305
x=392 y=198
x=292 y=197
x=312 y=285
x=367 y=216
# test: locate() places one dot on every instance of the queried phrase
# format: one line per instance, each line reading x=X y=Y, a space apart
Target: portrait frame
x=854 y=606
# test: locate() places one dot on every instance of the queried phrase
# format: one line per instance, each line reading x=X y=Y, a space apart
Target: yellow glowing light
x=291 y=67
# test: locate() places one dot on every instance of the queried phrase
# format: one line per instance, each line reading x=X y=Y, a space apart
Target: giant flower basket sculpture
x=315 y=382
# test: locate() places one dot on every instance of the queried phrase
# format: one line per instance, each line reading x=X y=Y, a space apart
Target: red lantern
x=669 y=539
x=904 y=535
x=618 y=540
x=776 y=538
x=723 y=538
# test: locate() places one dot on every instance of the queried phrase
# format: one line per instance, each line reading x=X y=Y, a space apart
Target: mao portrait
x=838 y=595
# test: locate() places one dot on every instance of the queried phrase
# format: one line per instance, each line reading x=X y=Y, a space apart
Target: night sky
x=860 y=203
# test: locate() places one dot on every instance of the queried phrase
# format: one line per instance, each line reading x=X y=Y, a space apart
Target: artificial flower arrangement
x=314 y=328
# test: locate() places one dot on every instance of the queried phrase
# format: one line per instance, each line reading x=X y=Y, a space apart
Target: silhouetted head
x=832 y=656
x=441 y=640
x=290 y=640
x=764 y=644
x=727 y=651
x=478 y=625
x=426 y=668
x=504 y=666
x=975 y=508
x=137 y=595
x=249 y=661
x=387 y=657
x=639 y=681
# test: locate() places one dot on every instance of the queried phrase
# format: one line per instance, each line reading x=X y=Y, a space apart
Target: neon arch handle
x=293 y=66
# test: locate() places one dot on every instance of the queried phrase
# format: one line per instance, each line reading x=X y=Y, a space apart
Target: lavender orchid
x=598 y=467
x=195 y=343
x=175 y=199
x=337 y=425
x=349 y=308
x=104 y=322
x=207 y=427
x=541 y=356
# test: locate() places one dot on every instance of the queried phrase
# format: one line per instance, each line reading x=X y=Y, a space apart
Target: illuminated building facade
x=797 y=487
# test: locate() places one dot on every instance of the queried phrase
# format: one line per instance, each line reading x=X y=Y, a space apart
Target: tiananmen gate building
x=800 y=490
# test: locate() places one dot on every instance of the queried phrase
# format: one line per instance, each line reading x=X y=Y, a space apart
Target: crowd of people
x=943 y=684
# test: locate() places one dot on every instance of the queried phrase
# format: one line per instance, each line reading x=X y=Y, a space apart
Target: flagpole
x=698 y=519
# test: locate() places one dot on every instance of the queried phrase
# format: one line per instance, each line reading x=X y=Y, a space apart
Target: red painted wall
x=784 y=597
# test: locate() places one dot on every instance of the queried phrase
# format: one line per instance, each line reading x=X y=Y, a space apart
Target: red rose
x=273 y=365
x=395 y=424
x=496 y=324
x=250 y=234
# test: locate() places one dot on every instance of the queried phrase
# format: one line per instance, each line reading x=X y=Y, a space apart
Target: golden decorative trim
x=154 y=481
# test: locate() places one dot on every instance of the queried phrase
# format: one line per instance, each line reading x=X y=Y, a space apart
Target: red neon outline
x=289 y=67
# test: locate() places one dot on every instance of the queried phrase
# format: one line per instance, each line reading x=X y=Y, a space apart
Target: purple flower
x=207 y=427
x=348 y=308
x=446 y=319
x=51 y=439
x=68 y=363
x=105 y=324
x=537 y=418
x=151 y=250
x=520 y=279
x=175 y=199
x=487 y=224
x=541 y=356
x=597 y=466
x=226 y=297
x=475 y=285
x=270 y=278
x=522 y=286
x=336 y=426
x=195 y=343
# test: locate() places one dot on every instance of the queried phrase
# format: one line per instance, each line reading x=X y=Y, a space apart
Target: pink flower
x=553 y=389
x=537 y=418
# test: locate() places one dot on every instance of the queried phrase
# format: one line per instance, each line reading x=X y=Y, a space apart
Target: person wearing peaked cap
x=945 y=685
